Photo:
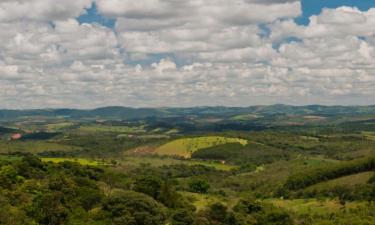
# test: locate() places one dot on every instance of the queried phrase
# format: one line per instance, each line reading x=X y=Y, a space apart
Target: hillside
x=137 y=113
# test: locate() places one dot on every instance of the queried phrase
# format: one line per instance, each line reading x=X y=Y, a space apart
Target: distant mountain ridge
x=119 y=112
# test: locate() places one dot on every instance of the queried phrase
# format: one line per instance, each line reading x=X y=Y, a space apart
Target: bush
x=199 y=186
x=132 y=208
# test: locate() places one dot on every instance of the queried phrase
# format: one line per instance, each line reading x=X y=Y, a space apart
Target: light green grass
x=9 y=158
x=114 y=129
x=172 y=131
x=347 y=181
x=308 y=206
x=34 y=147
x=276 y=174
x=201 y=201
x=246 y=117
x=216 y=165
x=259 y=169
x=82 y=161
x=59 y=126
x=186 y=146
x=369 y=135
x=147 y=136
x=157 y=162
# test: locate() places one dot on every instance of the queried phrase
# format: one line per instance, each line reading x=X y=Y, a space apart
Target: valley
x=184 y=168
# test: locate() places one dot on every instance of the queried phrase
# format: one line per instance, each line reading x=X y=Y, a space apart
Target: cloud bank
x=183 y=53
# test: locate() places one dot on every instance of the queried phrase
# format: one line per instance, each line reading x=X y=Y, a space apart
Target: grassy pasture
x=8 y=158
x=112 y=129
x=82 y=161
x=369 y=135
x=347 y=181
x=186 y=146
x=245 y=117
x=201 y=201
x=312 y=206
x=34 y=147
x=271 y=176
x=58 y=126
x=157 y=162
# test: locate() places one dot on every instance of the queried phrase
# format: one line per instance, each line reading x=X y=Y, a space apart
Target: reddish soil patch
x=16 y=136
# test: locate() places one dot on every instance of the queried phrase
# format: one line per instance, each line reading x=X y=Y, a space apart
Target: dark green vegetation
x=294 y=165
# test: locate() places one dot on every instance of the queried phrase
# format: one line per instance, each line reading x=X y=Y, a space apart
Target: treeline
x=39 y=136
x=314 y=176
x=5 y=130
x=363 y=192
x=235 y=153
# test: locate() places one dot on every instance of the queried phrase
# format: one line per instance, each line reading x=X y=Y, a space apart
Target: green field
x=59 y=126
x=9 y=158
x=113 y=129
x=82 y=161
x=246 y=117
x=201 y=201
x=186 y=146
x=369 y=135
x=157 y=162
x=35 y=147
x=312 y=206
x=347 y=181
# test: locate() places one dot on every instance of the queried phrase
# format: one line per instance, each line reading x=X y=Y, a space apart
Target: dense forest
x=33 y=192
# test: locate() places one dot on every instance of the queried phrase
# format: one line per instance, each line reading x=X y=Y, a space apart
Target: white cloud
x=339 y=22
x=193 y=27
x=41 y=10
x=201 y=52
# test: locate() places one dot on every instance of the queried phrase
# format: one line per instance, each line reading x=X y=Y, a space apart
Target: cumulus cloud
x=183 y=53
x=339 y=22
x=185 y=27
x=43 y=10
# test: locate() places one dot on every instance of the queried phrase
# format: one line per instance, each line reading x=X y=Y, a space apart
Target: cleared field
x=34 y=147
x=347 y=181
x=9 y=158
x=114 y=129
x=186 y=146
x=82 y=161
x=369 y=135
x=201 y=201
x=246 y=117
x=58 y=126
x=157 y=162
x=218 y=166
x=308 y=206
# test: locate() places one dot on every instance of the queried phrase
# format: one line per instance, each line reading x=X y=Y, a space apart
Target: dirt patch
x=314 y=117
x=142 y=150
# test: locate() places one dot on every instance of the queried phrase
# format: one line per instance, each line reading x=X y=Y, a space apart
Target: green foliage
x=149 y=185
x=372 y=180
x=307 y=178
x=182 y=217
x=8 y=176
x=132 y=208
x=252 y=153
x=199 y=186
x=49 y=209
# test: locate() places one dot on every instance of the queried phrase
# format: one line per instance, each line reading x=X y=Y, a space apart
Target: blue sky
x=314 y=7
x=92 y=16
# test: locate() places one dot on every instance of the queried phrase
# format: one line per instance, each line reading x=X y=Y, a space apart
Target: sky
x=170 y=53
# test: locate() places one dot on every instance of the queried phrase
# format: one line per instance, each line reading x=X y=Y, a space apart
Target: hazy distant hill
x=117 y=112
